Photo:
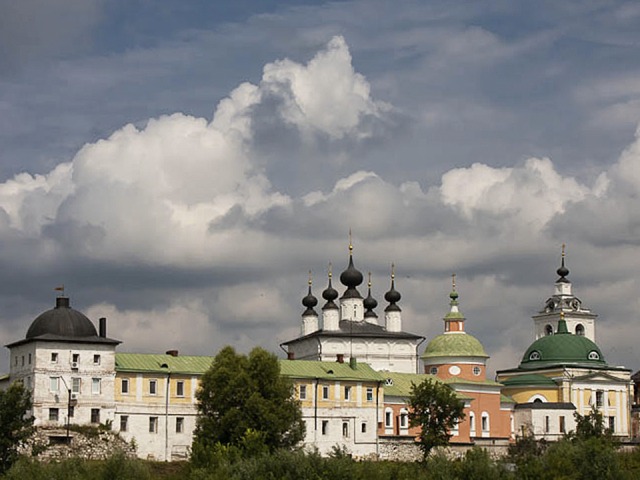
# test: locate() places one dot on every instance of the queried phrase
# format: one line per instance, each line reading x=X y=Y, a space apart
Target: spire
x=370 y=303
x=563 y=271
x=392 y=296
x=351 y=277
x=309 y=301
x=454 y=320
x=562 y=324
x=330 y=294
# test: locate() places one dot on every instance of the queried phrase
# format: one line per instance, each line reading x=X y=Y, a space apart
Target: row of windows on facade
x=548 y=329
x=345 y=428
x=54 y=415
x=75 y=359
x=302 y=394
x=153 y=387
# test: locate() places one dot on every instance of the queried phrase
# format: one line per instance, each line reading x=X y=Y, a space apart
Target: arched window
x=537 y=398
x=472 y=423
x=485 y=424
x=404 y=418
x=388 y=418
x=579 y=329
x=548 y=330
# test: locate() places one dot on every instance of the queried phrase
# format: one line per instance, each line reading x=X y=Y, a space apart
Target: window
x=75 y=385
x=303 y=392
x=124 y=386
x=22 y=361
x=579 y=330
x=95 y=415
x=433 y=370
x=388 y=382
x=593 y=355
x=180 y=388
x=472 y=423
x=179 y=424
x=345 y=429
x=325 y=392
x=347 y=393
x=325 y=427
x=29 y=359
x=54 y=384
x=153 y=384
x=612 y=424
x=369 y=394
x=548 y=330
x=388 y=418
x=28 y=382
x=477 y=371
x=153 y=424
x=72 y=411
x=54 y=357
x=404 y=418
x=363 y=427
x=16 y=362
x=485 y=422
x=53 y=414
x=561 y=421
x=535 y=355
x=95 y=386
x=124 y=423
x=599 y=399
x=546 y=424
x=96 y=359
x=75 y=357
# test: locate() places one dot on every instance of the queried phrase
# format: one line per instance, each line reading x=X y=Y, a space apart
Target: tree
x=244 y=401
x=15 y=427
x=436 y=409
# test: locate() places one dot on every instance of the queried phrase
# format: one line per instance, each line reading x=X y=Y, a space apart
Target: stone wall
x=95 y=444
x=406 y=449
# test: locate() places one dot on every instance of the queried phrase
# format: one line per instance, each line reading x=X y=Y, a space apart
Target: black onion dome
x=330 y=294
x=563 y=272
x=370 y=303
x=309 y=301
x=351 y=277
x=392 y=296
x=62 y=321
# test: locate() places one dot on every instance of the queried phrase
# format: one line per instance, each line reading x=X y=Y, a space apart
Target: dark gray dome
x=63 y=321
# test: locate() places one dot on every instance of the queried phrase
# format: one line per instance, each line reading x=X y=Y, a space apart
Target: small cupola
x=351 y=277
x=309 y=301
x=454 y=320
x=392 y=296
x=369 y=304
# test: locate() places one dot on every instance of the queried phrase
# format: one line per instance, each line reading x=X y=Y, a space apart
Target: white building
x=352 y=328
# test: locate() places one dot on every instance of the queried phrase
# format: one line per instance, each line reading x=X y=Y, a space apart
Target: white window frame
x=54 y=384
x=153 y=382
x=95 y=386
x=54 y=357
x=153 y=424
x=179 y=424
x=388 y=418
x=124 y=420
x=347 y=393
x=179 y=383
x=325 y=392
x=73 y=384
x=485 y=424
x=369 y=396
x=404 y=419
x=123 y=390
x=96 y=359
x=302 y=392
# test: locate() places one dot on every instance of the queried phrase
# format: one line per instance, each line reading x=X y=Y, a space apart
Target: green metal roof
x=4 y=377
x=328 y=370
x=399 y=384
x=454 y=345
x=506 y=399
x=529 y=379
x=562 y=348
x=464 y=381
x=153 y=363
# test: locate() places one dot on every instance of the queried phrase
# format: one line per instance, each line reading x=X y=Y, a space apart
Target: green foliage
x=436 y=409
x=590 y=426
x=15 y=427
x=244 y=401
x=116 y=467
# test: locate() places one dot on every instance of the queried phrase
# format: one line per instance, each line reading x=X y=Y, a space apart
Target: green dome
x=562 y=348
x=454 y=345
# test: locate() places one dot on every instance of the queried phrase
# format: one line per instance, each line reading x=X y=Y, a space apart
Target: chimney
x=340 y=358
x=173 y=353
x=353 y=363
x=291 y=356
x=102 y=329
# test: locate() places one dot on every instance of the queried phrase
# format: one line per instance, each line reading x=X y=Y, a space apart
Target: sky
x=180 y=166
